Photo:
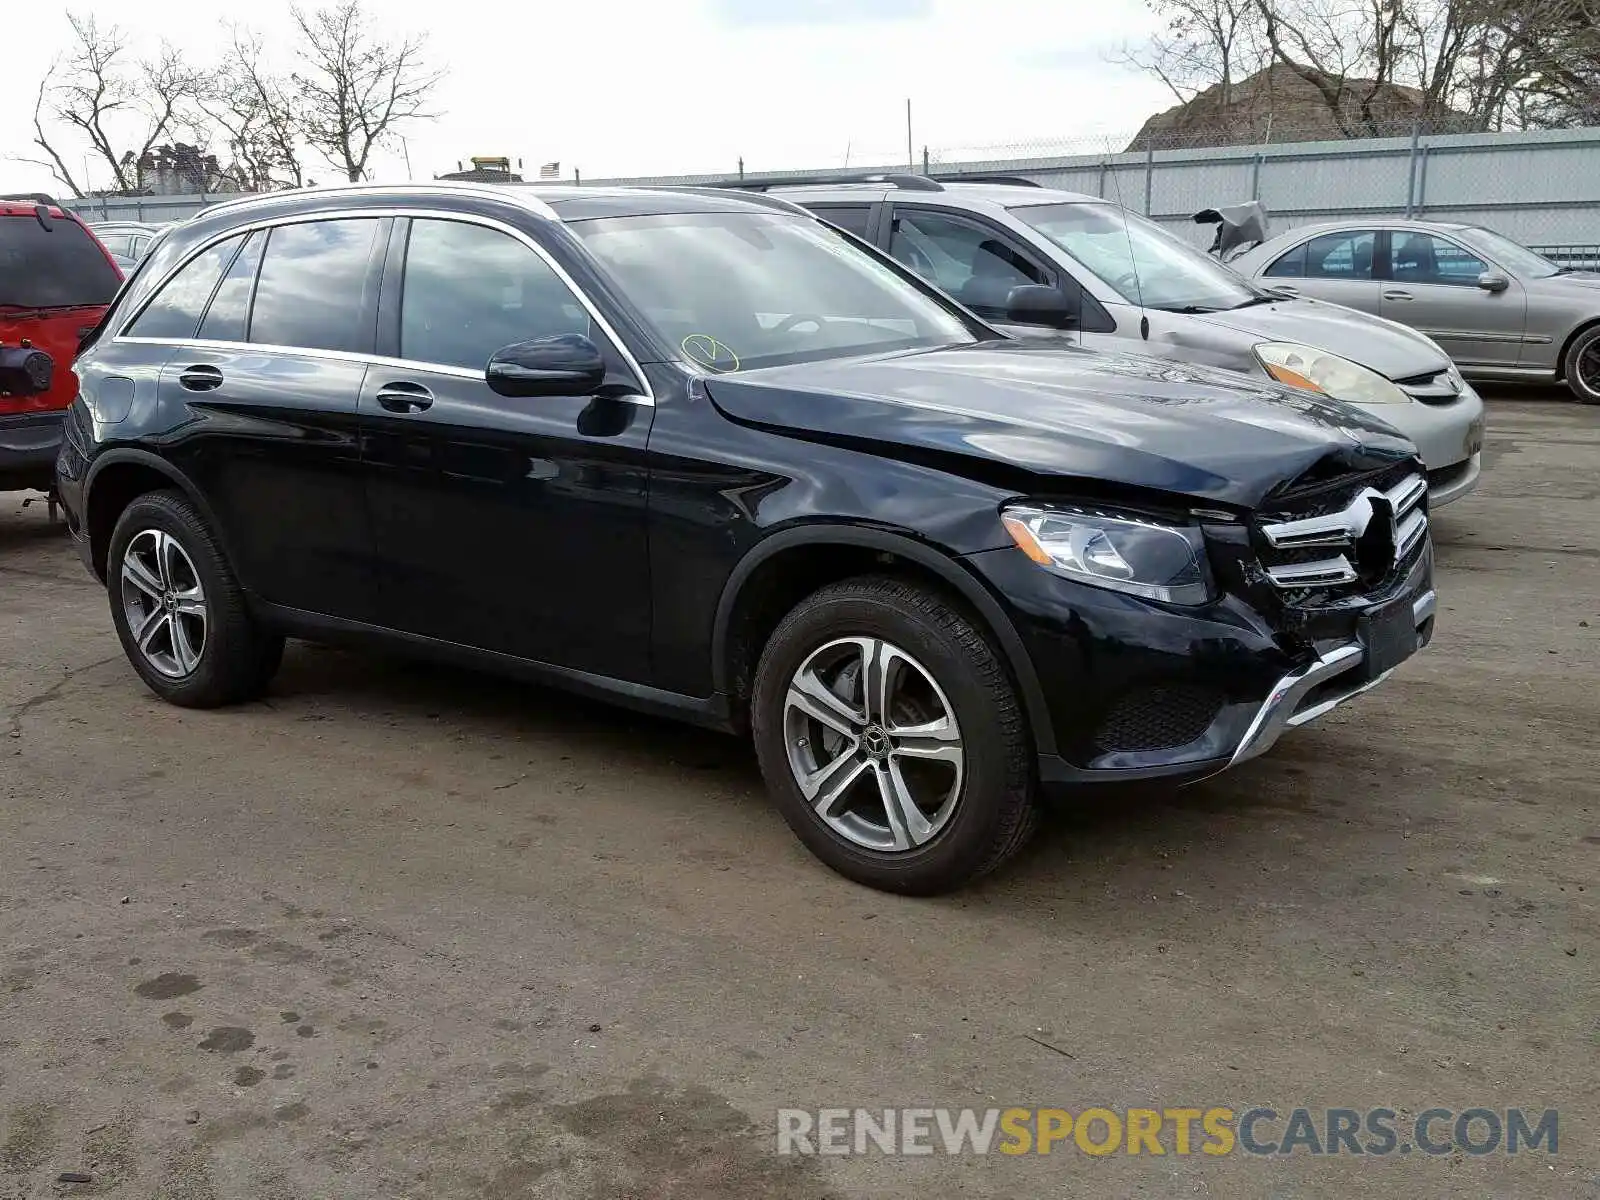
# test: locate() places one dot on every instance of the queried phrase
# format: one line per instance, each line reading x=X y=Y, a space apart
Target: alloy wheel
x=874 y=744
x=164 y=603
x=1589 y=368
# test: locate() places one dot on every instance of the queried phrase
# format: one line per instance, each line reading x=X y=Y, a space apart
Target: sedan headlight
x=1318 y=371
x=1125 y=554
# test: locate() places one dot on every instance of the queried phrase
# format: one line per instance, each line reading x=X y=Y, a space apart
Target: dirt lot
x=400 y=931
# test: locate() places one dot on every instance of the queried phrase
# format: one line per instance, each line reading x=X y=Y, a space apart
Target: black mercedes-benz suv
x=705 y=455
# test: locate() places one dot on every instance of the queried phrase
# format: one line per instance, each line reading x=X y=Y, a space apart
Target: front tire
x=178 y=610
x=1582 y=366
x=891 y=738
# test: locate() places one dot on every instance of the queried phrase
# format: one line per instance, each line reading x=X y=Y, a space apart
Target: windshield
x=59 y=267
x=1513 y=256
x=737 y=290
x=1136 y=258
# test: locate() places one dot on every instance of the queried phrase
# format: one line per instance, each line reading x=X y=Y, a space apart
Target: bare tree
x=1345 y=51
x=1559 y=84
x=122 y=106
x=357 y=89
x=1377 y=66
x=1202 y=44
x=260 y=114
x=58 y=168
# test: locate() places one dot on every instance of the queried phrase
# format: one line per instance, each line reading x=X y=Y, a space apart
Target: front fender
x=949 y=570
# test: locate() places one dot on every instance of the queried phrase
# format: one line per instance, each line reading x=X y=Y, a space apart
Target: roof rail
x=761 y=198
x=32 y=198
x=433 y=187
x=899 y=179
x=1012 y=180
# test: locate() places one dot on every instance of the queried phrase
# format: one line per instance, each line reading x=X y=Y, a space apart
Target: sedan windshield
x=1513 y=256
x=1136 y=258
x=736 y=290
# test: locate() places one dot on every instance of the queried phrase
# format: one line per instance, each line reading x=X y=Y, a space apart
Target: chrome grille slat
x=1323 y=573
x=1343 y=530
x=1409 y=533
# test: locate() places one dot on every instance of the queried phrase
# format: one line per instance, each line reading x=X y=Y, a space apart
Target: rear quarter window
x=59 y=267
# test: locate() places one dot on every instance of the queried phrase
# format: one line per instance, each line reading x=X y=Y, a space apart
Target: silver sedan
x=1500 y=310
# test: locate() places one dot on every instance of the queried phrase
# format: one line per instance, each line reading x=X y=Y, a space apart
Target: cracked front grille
x=1352 y=532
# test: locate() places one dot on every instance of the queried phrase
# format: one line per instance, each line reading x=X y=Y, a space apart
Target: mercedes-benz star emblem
x=875 y=742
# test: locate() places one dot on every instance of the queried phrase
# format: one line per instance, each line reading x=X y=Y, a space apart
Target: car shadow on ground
x=1089 y=836
x=15 y=535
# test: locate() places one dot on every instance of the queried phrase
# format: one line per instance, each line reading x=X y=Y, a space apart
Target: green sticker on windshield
x=709 y=352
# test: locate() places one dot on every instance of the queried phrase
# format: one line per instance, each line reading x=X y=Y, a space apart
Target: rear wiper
x=35 y=310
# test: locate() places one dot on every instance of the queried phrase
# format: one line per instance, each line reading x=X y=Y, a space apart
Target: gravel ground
x=401 y=931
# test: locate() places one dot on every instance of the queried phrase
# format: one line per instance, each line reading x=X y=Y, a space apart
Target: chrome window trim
x=645 y=395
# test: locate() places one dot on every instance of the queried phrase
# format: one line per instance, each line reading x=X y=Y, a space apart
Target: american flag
x=550 y=170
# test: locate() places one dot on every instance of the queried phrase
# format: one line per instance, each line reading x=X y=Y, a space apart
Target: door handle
x=404 y=397
x=200 y=378
x=1396 y=294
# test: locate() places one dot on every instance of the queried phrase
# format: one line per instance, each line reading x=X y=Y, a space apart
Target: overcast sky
x=619 y=87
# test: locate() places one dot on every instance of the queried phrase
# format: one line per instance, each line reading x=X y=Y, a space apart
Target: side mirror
x=1035 y=304
x=564 y=364
x=1493 y=281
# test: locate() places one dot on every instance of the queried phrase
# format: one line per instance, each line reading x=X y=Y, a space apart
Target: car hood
x=1574 y=283
x=1061 y=412
x=1391 y=349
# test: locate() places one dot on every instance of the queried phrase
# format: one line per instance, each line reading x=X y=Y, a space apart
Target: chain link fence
x=1541 y=188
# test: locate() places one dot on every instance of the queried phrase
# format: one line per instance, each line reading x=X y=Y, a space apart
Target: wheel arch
x=1578 y=331
x=792 y=563
x=120 y=476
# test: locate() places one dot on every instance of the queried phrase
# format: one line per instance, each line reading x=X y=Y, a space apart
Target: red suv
x=55 y=283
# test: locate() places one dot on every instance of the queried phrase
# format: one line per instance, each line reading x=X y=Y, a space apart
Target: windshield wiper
x=1188 y=310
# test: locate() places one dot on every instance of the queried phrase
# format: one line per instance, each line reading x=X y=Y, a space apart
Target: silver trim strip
x=645 y=397
x=1282 y=709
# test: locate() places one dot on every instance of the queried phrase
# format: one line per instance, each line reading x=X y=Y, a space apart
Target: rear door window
x=1291 y=265
x=852 y=217
x=317 y=287
x=228 y=318
x=175 y=311
x=59 y=267
x=1341 y=255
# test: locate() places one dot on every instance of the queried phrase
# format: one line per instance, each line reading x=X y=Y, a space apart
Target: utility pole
x=911 y=158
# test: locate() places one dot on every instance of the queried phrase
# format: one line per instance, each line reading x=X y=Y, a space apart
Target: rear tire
x=1582 y=366
x=891 y=737
x=178 y=610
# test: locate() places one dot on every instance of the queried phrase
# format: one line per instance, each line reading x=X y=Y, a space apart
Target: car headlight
x=1318 y=371
x=1125 y=554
